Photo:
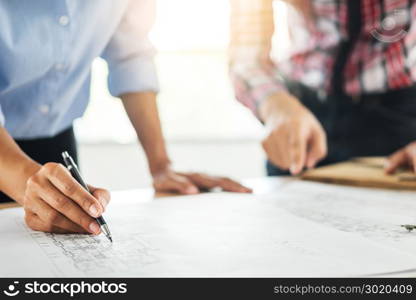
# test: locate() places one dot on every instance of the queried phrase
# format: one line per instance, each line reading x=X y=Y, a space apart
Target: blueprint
x=298 y=229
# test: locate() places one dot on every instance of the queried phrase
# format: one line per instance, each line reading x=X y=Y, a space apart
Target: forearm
x=15 y=167
x=143 y=113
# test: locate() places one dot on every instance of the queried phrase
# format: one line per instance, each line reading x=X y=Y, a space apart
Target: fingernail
x=191 y=190
x=94 y=210
x=94 y=228
x=387 y=164
x=103 y=201
x=293 y=169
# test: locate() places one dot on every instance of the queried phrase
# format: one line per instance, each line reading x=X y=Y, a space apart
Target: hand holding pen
x=55 y=202
x=73 y=169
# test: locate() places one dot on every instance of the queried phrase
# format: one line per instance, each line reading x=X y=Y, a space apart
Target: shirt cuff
x=253 y=86
x=133 y=75
x=2 y=120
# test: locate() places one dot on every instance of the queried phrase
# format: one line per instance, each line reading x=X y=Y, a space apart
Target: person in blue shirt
x=46 y=51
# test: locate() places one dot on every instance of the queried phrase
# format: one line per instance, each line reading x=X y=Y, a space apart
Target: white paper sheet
x=299 y=229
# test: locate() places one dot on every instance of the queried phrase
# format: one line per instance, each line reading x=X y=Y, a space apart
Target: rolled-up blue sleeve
x=130 y=54
x=2 y=121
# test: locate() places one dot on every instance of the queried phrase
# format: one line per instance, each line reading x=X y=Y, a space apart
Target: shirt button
x=44 y=109
x=63 y=20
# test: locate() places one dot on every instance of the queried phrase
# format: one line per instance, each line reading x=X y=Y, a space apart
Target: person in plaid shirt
x=347 y=89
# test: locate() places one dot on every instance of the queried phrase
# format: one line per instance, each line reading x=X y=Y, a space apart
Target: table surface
x=257 y=184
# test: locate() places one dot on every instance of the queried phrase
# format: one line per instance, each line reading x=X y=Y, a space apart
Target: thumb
x=178 y=184
x=185 y=187
x=102 y=195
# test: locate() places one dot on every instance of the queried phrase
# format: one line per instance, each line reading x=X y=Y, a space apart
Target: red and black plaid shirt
x=382 y=58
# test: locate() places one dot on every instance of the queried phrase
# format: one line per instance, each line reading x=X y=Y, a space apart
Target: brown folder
x=363 y=171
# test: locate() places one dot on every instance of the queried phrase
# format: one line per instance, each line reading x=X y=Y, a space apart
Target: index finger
x=297 y=150
x=62 y=179
x=317 y=148
x=394 y=161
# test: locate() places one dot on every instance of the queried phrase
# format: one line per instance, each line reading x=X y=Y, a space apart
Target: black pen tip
x=110 y=238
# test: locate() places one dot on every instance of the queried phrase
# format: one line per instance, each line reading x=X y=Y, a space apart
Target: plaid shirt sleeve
x=251 y=68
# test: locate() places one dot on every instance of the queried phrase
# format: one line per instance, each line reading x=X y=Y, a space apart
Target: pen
x=72 y=167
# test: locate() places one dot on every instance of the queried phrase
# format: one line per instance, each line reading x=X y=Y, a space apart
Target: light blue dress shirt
x=46 y=51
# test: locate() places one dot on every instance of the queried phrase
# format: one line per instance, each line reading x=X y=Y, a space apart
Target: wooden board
x=364 y=171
